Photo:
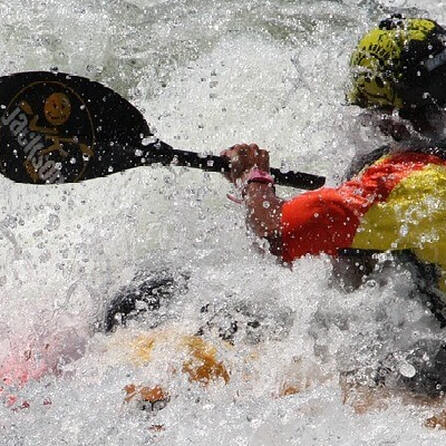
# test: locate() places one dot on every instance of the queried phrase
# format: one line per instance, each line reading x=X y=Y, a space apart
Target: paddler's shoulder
x=362 y=162
x=407 y=152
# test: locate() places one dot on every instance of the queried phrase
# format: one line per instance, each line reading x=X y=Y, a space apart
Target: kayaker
x=394 y=201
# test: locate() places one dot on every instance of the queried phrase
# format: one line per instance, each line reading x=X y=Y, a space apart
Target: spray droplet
x=407 y=370
x=404 y=230
x=148 y=140
x=53 y=222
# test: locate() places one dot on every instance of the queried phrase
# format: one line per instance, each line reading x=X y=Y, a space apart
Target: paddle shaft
x=163 y=153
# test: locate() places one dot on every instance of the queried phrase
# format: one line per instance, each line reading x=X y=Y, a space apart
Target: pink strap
x=259 y=176
x=234 y=199
x=255 y=176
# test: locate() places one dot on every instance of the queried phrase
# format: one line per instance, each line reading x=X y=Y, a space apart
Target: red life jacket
x=397 y=203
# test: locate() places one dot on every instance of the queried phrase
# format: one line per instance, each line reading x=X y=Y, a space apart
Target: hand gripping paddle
x=58 y=128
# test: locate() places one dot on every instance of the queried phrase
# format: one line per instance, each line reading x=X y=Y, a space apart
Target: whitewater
x=206 y=75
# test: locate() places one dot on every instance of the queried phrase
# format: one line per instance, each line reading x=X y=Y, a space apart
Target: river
x=206 y=74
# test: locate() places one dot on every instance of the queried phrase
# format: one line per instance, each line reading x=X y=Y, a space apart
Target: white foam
x=207 y=76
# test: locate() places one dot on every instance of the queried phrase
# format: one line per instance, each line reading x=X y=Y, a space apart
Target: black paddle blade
x=59 y=128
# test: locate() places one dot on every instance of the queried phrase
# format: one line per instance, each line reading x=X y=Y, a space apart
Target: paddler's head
x=400 y=65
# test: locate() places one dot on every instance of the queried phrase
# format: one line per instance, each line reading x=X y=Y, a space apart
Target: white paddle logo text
x=33 y=144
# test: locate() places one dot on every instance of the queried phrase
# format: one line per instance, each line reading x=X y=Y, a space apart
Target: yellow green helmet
x=400 y=64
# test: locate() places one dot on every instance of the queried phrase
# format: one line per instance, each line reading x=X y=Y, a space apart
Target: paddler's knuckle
x=264 y=154
x=244 y=153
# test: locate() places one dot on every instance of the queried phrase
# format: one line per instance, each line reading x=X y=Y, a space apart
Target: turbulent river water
x=206 y=74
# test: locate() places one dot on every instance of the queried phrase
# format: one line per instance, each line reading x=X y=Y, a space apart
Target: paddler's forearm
x=264 y=212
